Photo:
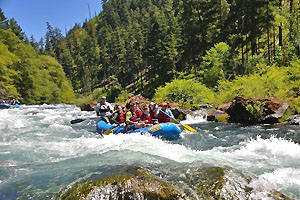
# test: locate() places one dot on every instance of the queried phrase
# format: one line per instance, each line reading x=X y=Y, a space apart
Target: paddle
x=185 y=127
x=75 y=121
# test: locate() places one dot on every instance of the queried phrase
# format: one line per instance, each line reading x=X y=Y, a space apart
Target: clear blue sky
x=32 y=15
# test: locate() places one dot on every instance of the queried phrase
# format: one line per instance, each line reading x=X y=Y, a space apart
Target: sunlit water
x=41 y=153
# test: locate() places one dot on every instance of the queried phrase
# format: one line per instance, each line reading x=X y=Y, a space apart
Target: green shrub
x=184 y=92
x=268 y=81
x=123 y=96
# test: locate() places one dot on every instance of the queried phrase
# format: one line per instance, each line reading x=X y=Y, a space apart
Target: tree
x=16 y=29
x=3 y=20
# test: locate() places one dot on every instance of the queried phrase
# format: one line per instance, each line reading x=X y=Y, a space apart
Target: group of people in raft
x=133 y=115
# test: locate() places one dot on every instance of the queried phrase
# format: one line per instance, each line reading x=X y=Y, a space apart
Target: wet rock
x=217 y=116
x=133 y=183
x=224 y=107
x=257 y=110
x=209 y=182
x=193 y=181
x=179 y=113
x=293 y=120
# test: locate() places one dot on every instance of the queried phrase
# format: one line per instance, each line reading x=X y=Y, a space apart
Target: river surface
x=41 y=153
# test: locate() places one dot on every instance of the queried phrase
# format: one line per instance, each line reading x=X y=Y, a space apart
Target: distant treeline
x=26 y=74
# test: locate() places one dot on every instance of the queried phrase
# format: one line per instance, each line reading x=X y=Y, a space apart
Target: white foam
x=284 y=176
x=195 y=117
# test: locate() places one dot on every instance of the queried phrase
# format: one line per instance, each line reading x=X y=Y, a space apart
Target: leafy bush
x=123 y=96
x=215 y=64
x=268 y=81
x=184 y=92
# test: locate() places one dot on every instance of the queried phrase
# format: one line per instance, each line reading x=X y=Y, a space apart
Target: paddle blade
x=75 y=121
x=107 y=132
x=188 y=128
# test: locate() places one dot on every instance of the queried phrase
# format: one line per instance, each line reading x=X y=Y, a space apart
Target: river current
x=41 y=153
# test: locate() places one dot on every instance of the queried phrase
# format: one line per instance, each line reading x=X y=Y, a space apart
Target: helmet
x=164 y=104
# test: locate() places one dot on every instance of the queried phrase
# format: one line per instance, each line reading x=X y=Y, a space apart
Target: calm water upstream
x=42 y=153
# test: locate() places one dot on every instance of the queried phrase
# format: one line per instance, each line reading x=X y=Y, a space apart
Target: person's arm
x=115 y=116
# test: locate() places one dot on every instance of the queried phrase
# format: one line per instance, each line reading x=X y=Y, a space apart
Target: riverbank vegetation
x=25 y=74
x=189 y=52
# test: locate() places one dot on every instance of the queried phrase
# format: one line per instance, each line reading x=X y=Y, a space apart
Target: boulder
x=131 y=183
x=293 y=120
x=257 y=110
x=89 y=106
x=179 y=113
x=217 y=116
x=194 y=181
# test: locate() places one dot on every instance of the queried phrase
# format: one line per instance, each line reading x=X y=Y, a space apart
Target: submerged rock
x=257 y=110
x=194 y=181
x=133 y=183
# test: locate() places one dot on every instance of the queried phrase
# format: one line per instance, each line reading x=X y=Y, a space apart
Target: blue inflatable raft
x=169 y=131
x=8 y=106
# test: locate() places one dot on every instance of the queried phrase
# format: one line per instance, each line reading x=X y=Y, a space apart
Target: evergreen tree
x=16 y=29
x=3 y=20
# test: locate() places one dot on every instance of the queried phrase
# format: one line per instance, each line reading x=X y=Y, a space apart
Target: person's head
x=119 y=108
x=133 y=106
x=103 y=99
x=146 y=109
x=164 y=106
x=116 y=107
x=152 y=106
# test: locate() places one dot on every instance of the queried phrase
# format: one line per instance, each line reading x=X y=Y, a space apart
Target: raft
x=168 y=131
x=8 y=106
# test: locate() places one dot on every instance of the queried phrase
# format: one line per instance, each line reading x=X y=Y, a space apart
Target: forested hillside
x=227 y=47
x=138 y=45
x=25 y=74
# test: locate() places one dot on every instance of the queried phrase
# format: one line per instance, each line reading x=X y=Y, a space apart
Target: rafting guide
x=104 y=110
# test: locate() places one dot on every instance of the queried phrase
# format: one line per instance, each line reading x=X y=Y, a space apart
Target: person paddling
x=164 y=113
x=146 y=118
x=118 y=115
x=104 y=110
x=131 y=118
x=138 y=111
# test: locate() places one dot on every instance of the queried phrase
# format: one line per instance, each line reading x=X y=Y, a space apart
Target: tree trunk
x=269 y=60
x=280 y=27
x=274 y=42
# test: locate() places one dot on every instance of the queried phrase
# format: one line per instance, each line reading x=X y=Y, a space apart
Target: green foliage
x=268 y=81
x=215 y=64
x=222 y=117
x=184 y=92
x=255 y=108
x=28 y=76
x=123 y=96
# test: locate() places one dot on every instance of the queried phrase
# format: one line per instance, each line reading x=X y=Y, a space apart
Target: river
x=41 y=153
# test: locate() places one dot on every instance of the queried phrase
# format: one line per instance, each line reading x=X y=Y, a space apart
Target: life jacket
x=103 y=108
x=163 y=118
x=152 y=114
x=121 y=117
x=139 y=113
x=146 y=118
x=133 y=118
